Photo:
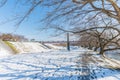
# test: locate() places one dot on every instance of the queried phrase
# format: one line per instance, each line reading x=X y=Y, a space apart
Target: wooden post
x=68 y=42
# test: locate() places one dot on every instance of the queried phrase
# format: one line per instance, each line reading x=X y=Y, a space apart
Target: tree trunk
x=101 y=51
x=95 y=48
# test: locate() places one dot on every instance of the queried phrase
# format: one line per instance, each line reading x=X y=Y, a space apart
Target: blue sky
x=30 y=27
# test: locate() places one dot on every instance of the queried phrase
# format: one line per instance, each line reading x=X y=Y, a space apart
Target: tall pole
x=68 y=42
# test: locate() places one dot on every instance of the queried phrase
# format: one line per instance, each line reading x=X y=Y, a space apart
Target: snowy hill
x=29 y=47
x=5 y=50
x=24 y=47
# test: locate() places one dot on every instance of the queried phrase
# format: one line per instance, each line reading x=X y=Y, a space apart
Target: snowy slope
x=4 y=50
x=25 y=47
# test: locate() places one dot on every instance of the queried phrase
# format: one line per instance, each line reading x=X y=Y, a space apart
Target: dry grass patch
x=11 y=46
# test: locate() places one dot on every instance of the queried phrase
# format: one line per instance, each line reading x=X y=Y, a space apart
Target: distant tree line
x=12 y=37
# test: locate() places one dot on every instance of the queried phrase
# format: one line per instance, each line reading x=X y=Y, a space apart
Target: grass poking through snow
x=11 y=46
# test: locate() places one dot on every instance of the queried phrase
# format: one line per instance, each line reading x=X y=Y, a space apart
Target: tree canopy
x=73 y=12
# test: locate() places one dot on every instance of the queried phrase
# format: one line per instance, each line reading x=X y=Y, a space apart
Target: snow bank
x=29 y=47
x=4 y=50
x=34 y=47
x=52 y=46
x=114 y=54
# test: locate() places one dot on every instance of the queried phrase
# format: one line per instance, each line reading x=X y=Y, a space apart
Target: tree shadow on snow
x=81 y=71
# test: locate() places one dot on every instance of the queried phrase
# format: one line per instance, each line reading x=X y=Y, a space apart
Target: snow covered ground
x=52 y=46
x=114 y=54
x=40 y=63
x=58 y=65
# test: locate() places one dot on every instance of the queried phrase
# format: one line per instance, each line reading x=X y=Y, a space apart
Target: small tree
x=6 y=37
x=88 y=41
x=12 y=37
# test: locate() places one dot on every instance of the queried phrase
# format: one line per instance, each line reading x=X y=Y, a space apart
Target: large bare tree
x=70 y=12
x=105 y=37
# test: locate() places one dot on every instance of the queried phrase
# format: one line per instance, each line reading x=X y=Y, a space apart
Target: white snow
x=41 y=63
x=27 y=47
x=4 y=50
x=52 y=46
x=56 y=65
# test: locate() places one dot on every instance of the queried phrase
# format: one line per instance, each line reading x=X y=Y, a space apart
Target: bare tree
x=109 y=7
x=6 y=37
x=87 y=40
x=12 y=37
x=70 y=11
x=105 y=37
